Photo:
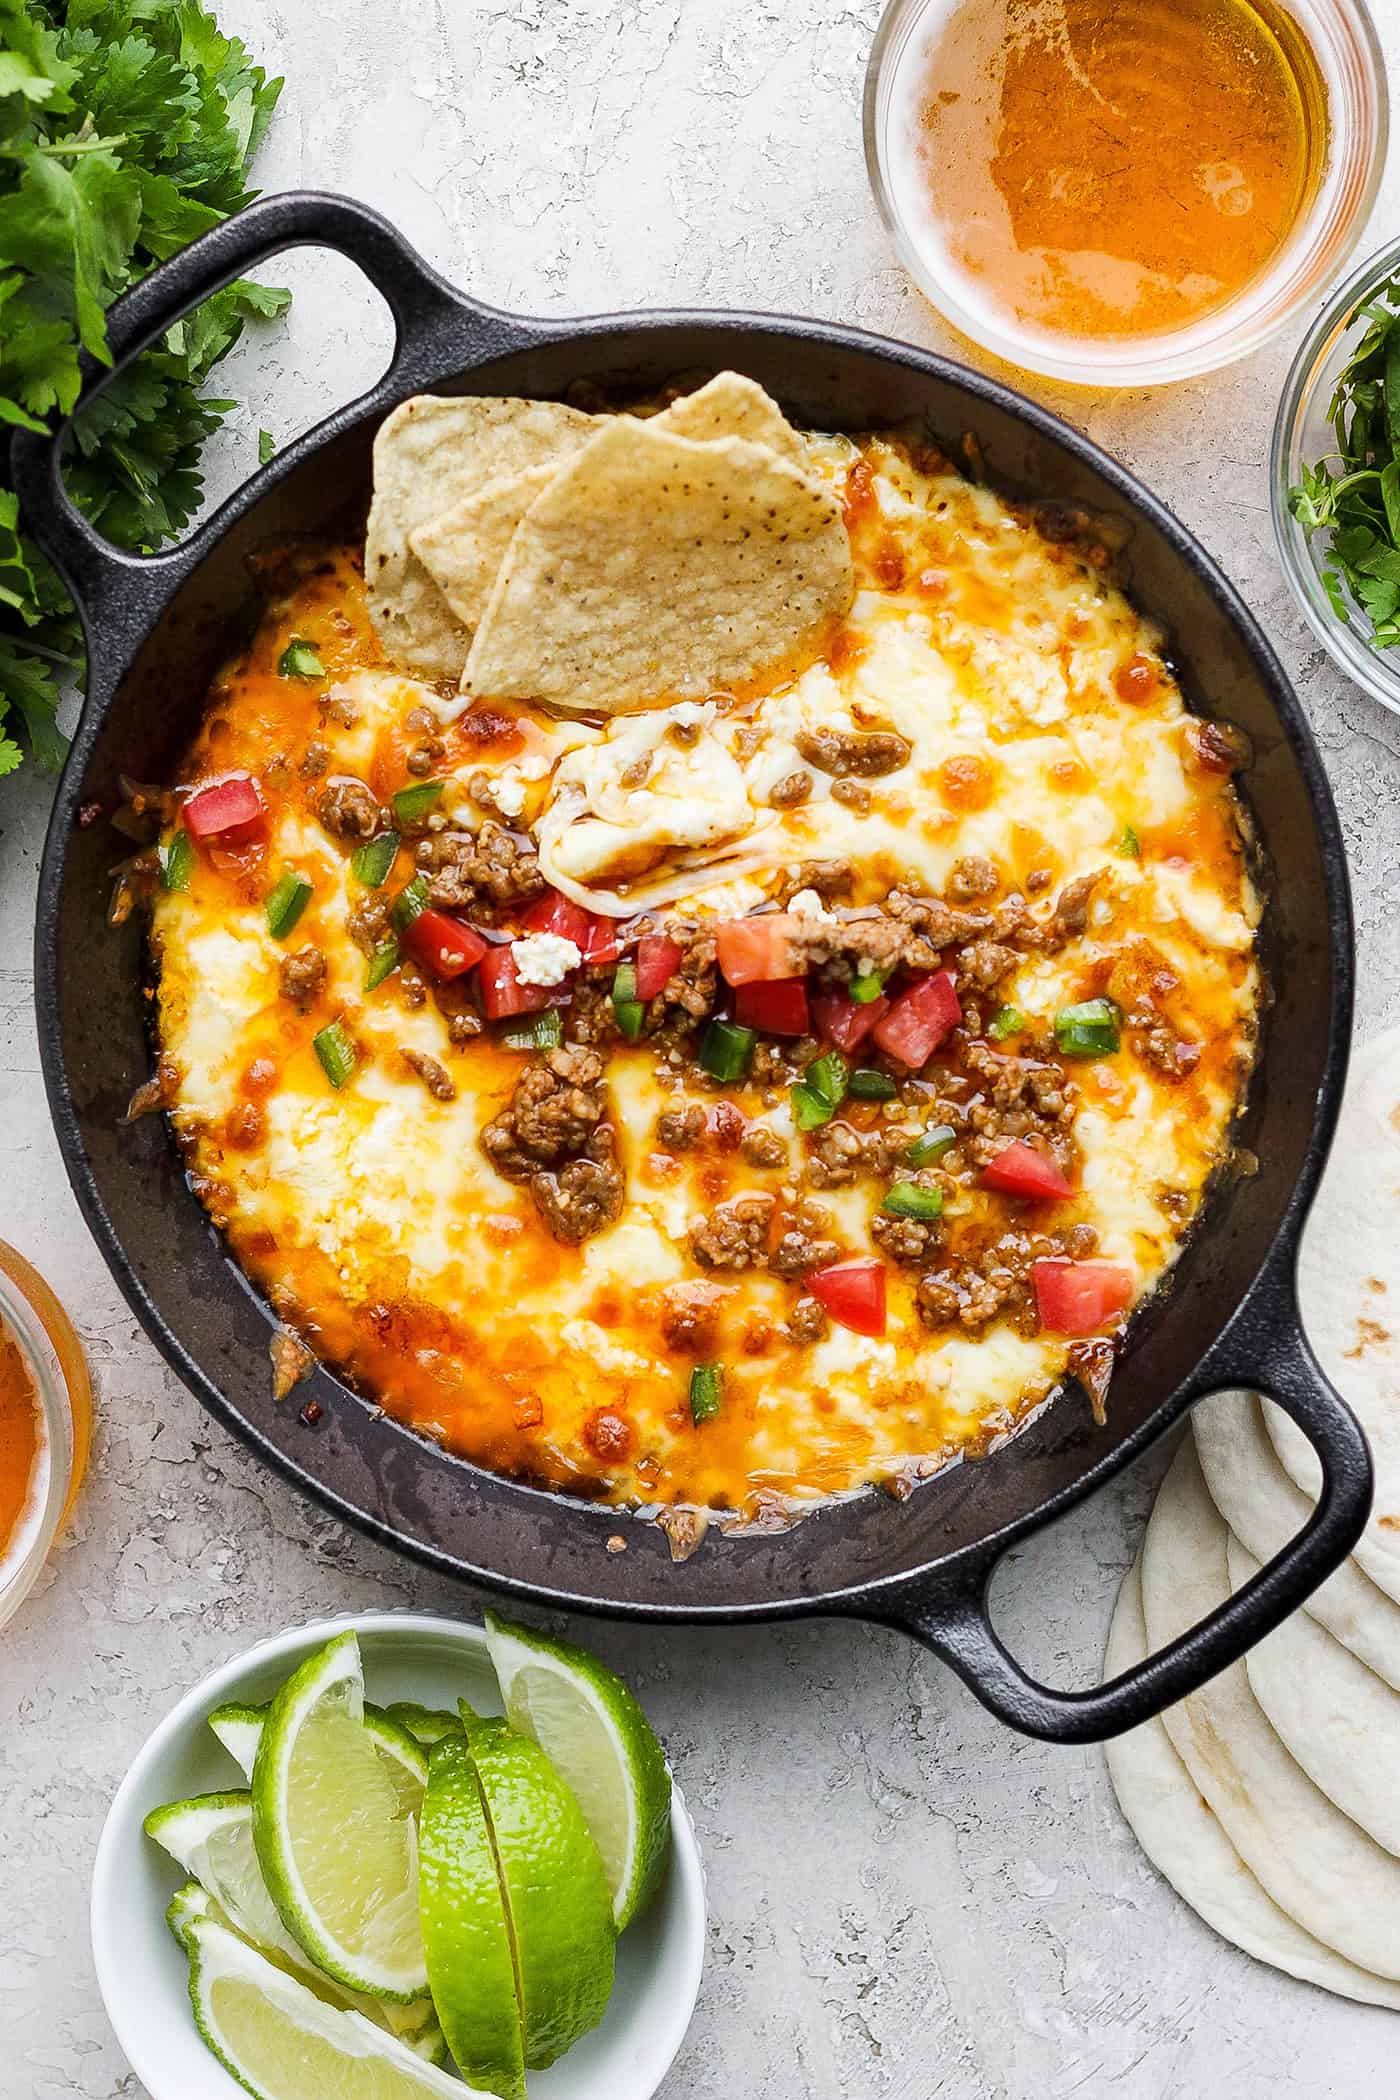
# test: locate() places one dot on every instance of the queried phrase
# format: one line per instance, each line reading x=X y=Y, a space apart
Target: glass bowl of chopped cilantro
x=1335 y=477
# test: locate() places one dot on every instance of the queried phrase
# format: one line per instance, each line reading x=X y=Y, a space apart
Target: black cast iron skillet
x=156 y=629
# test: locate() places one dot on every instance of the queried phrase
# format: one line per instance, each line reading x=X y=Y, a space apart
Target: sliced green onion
x=336 y=1052
x=370 y=864
x=932 y=1145
x=866 y=988
x=176 y=859
x=286 y=902
x=541 y=1031
x=1087 y=1030
x=412 y=804
x=910 y=1199
x=867 y=1084
x=726 y=1049
x=1007 y=1020
x=628 y=1010
x=706 y=1392
x=809 y=1110
x=1130 y=845
x=382 y=964
x=828 y=1078
x=300 y=660
x=412 y=899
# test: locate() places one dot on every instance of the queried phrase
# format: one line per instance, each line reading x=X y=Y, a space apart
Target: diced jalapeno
x=412 y=899
x=866 y=988
x=932 y=1145
x=866 y=1084
x=1130 y=845
x=1087 y=1030
x=411 y=804
x=726 y=1049
x=628 y=1010
x=706 y=1392
x=541 y=1031
x=176 y=859
x=286 y=902
x=809 y=1110
x=829 y=1077
x=336 y=1052
x=370 y=863
x=300 y=660
x=1007 y=1020
x=382 y=964
x=910 y=1199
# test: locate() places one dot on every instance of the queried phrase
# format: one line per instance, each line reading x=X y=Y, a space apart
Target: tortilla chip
x=653 y=566
x=730 y=405
x=430 y=454
x=463 y=549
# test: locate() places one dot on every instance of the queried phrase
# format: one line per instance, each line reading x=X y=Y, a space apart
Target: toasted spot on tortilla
x=429 y=455
x=655 y=566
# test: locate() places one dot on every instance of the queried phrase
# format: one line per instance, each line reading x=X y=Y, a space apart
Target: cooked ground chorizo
x=689 y=1315
x=908 y=1241
x=854 y=793
x=734 y=1235
x=829 y=878
x=434 y=1078
x=865 y=753
x=692 y=984
x=790 y=790
x=301 y=974
x=971 y=877
x=763 y=1147
x=557 y=1107
x=348 y=810
x=970 y=1294
x=839 y=1155
x=808 y=1321
x=483 y=875
x=1071 y=913
x=983 y=964
x=579 y=1200
x=1021 y=1097
x=315 y=761
x=368 y=923
x=798 y=1251
x=1168 y=1053
x=681 y=1128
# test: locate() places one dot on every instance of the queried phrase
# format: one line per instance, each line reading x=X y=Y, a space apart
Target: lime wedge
x=211 y=1837
x=239 y=1729
x=465 y=1932
x=557 y=1898
x=283 y=2043
x=426 y=1724
x=602 y=1745
x=336 y=1848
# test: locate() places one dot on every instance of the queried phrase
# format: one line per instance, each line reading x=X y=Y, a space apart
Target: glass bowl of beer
x=1124 y=192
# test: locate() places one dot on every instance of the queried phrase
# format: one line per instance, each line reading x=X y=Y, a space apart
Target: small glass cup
x=1302 y=436
x=1344 y=42
x=53 y=1357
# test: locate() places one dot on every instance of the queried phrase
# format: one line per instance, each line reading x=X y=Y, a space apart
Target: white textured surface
x=906 y=1900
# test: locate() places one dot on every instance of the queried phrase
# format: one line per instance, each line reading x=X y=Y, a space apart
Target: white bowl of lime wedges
x=352 y=1887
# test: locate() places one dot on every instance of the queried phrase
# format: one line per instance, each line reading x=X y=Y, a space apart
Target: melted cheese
x=372 y=1217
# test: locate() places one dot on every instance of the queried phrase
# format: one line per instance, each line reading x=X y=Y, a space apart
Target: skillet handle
x=436 y=330
x=951 y=1617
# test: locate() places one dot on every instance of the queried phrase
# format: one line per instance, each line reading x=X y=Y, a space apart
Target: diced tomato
x=445 y=946
x=853 y=1292
x=779 y=1007
x=594 y=936
x=1020 y=1170
x=919 y=1020
x=658 y=960
x=1080 y=1297
x=229 y=811
x=843 y=1020
x=757 y=949
x=502 y=993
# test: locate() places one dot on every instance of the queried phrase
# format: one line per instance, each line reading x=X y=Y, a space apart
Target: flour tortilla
x=1185 y=1842
x=463 y=547
x=429 y=455
x=1336 y=1718
x=1336 y=1882
x=1264 y=1509
x=654 y=567
x=1349 y=1290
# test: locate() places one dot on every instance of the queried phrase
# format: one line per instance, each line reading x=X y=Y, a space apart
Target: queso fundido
x=759 y=1086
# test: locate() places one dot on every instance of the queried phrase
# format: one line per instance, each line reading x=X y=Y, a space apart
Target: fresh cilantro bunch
x=126 y=128
x=1354 y=494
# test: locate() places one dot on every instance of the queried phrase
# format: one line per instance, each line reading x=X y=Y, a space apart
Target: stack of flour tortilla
x=1271 y=1799
x=598 y=563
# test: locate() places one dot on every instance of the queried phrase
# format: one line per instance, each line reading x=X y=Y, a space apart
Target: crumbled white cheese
x=544 y=958
x=689 y=714
x=508 y=791
x=535 y=766
x=808 y=905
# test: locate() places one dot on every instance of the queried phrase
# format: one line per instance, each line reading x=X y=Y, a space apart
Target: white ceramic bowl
x=141 y=1972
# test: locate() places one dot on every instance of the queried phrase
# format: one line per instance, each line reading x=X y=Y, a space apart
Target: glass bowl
x=1303 y=435
x=53 y=1358
x=1348 y=52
